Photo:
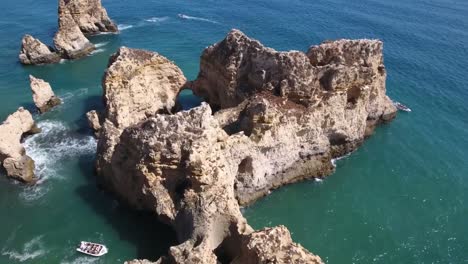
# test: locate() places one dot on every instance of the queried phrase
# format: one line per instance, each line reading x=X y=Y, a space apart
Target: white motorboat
x=92 y=249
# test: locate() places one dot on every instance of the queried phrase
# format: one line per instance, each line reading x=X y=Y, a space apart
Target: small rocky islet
x=76 y=20
x=270 y=118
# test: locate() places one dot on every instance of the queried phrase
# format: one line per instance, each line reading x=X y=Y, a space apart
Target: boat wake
x=56 y=143
x=31 y=250
x=182 y=16
x=157 y=19
x=123 y=27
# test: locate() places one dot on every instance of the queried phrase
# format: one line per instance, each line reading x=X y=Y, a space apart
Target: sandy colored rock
x=69 y=41
x=279 y=117
x=43 y=96
x=33 y=51
x=94 y=121
x=12 y=154
x=90 y=16
x=137 y=84
x=273 y=245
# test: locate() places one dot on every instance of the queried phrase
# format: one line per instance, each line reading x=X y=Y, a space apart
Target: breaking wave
x=56 y=142
x=197 y=18
x=31 y=250
x=333 y=161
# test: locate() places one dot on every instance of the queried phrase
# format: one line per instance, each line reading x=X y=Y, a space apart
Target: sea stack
x=76 y=19
x=90 y=16
x=70 y=42
x=13 y=158
x=33 y=51
x=271 y=118
x=43 y=96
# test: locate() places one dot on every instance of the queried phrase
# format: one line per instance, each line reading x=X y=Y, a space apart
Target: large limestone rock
x=13 y=158
x=33 y=51
x=70 y=42
x=90 y=16
x=280 y=117
x=43 y=96
x=137 y=84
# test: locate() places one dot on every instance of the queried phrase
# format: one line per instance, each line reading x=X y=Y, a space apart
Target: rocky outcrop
x=75 y=18
x=90 y=16
x=69 y=41
x=279 y=117
x=94 y=121
x=13 y=158
x=33 y=51
x=137 y=84
x=43 y=96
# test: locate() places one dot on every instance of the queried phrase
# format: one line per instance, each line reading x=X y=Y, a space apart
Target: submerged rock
x=280 y=117
x=43 y=96
x=13 y=158
x=90 y=16
x=33 y=51
x=70 y=42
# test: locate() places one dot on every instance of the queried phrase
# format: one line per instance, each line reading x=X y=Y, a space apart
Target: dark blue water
x=401 y=198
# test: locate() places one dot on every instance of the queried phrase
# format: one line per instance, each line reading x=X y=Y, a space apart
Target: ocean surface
x=401 y=198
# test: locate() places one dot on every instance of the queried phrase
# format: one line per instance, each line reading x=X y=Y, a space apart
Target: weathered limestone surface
x=90 y=16
x=94 y=121
x=13 y=158
x=280 y=117
x=33 y=51
x=43 y=96
x=137 y=84
x=70 y=42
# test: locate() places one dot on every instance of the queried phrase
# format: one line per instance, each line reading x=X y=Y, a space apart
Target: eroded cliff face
x=137 y=85
x=13 y=158
x=90 y=16
x=279 y=117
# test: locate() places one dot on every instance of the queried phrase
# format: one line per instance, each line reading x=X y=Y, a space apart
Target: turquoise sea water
x=401 y=198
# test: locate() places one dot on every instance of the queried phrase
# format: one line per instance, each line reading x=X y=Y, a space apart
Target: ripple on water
x=31 y=250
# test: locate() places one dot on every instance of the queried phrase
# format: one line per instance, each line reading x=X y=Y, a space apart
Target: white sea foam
x=62 y=61
x=197 y=18
x=333 y=161
x=102 y=44
x=78 y=92
x=55 y=143
x=123 y=27
x=31 y=250
x=97 y=51
x=157 y=19
x=82 y=260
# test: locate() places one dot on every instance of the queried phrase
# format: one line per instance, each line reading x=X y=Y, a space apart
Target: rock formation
x=13 y=158
x=33 y=51
x=280 y=117
x=89 y=15
x=75 y=18
x=94 y=121
x=69 y=41
x=43 y=96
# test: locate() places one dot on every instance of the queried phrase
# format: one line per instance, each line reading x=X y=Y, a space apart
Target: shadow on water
x=142 y=229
